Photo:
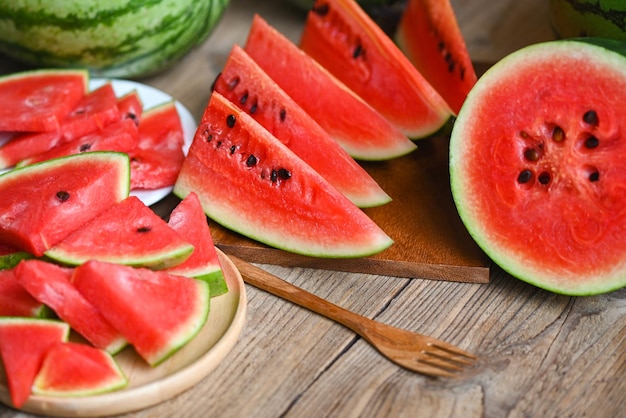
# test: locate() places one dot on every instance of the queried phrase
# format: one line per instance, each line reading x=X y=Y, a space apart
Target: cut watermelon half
x=43 y=203
x=156 y=311
x=73 y=370
x=51 y=285
x=189 y=220
x=15 y=300
x=261 y=189
x=244 y=83
x=363 y=132
x=128 y=233
x=429 y=35
x=157 y=158
x=24 y=343
x=345 y=40
x=39 y=99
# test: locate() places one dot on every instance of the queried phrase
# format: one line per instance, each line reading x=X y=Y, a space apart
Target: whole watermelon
x=113 y=38
x=594 y=18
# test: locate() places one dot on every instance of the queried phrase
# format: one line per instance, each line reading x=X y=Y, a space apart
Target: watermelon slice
x=128 y=233
x=156 y=160
x=429 y=35
x=24 y=343
x=39 y=99
x=15 y=300
x=43 y=203
x=189 y=220
x=260 y=188
x=72 y=370
x=51 y=284
x=244 y=83
x=345 y=40
x=156 y=311
x=363 y=132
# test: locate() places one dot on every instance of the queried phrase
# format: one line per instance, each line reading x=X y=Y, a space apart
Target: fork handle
x=261 y=279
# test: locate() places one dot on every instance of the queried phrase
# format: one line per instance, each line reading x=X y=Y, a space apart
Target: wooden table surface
x=541 y=354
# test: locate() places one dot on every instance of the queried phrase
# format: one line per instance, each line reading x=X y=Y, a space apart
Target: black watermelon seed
x=254 y=107
x=143 y=229
x=321 y=10
x=244 y=98
x=531 y=154
x=284 y=174
x=592 y=142
x=85 y=147
x=283 y=115
x=230 y=121
x=62 y=195
x=251 y=161
x=233 y=148
x=544 y=178
x=591 y=118
x=594 y=176
x=525 y=176
x=358 y=51
x=558 y=135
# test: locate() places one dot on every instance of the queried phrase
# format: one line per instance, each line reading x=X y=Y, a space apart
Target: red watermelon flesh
x=130 y=107
x=244 y=83
x=24 y=343
x=51 y=284
x=14 y=299
x=156 y=160
x=43 y=203
x=71 y=370
x=120 y=137
x=189 y=220
x=39 y=99
x=128 y=233
x=156 y=311
x=250 y=182
x=429 y=35
x=363 y=132
x=345 y=40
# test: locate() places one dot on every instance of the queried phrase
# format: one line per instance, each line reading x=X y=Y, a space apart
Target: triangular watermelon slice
x=128 y=233
x=156 y=160
x=24 y=343
x=189 y=220
x=156 y=311
x=43 y=203
x=51 y=284
x=244 y=83
x=39 y=99
x=251 y=183
x=72 y=370
x=15 y=300
x=362 y=131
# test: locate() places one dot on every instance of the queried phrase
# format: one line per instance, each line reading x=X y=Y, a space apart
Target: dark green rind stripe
x=140 y=49
x=617 y=16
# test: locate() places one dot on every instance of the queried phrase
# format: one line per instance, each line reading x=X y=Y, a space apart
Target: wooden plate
x=149 y=386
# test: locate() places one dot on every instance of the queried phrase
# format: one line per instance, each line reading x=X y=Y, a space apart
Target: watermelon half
x=537 y=165
x=251 y=183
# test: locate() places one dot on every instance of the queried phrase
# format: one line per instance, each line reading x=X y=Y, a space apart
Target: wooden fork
x=416 y=352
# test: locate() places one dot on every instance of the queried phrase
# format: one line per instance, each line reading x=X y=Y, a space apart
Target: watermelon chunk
x=43 y=203
x=260 y=188
x=72 y=370
x=14 y=299
x=129 y=106
x=189 y=220
x=362 y=131
x=39 y=99
x=157 y=159
x=244 y=83
x=156 y=311
x=128 y=233
x=24 y=343
x=51 y=284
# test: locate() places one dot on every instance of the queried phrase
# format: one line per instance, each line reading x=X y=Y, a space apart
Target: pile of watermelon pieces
x=80 y=254
x=53 y=114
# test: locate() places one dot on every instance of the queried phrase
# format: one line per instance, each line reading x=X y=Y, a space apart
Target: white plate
x=150 y=97
x=151 y=385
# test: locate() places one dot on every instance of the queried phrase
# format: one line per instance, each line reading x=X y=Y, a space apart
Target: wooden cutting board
x=429 y=239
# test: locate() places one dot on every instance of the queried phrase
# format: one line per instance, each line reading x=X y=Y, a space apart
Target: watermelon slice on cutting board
x=261 y=189
x=362 y=131
x=156 y=311
x=245 y=84
x=127 y=233
x=21 y=356
x=189 y=220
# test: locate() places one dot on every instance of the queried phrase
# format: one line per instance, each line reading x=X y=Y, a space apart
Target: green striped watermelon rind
x=126 y=41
